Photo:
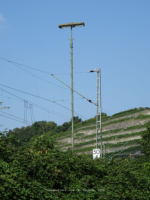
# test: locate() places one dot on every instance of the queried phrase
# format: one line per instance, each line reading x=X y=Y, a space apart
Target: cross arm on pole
x=75 y=91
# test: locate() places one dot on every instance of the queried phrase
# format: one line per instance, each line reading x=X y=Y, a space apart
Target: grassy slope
x=105 y=122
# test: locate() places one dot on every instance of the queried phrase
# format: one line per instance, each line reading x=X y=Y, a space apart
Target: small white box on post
x=96 y=153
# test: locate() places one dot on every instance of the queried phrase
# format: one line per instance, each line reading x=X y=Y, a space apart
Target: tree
x=65 y=126
x=50 y=126
x=76 y=119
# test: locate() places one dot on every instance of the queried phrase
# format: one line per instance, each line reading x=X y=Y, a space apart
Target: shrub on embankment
x=41 y=172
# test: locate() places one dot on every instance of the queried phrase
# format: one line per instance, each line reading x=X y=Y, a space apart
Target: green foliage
x=145 y=142
x=136 y=127
x=39 y=171
x=127 y=112
x=142 y=116
x=104 y=133
x=115 y=137
x=79 y=135
x=119 y=144
x=106 y=118
x=31 y=167
x=65 y=126
x=146 y=170
x=117 y=121
x=76 y=120
x=116 y=130
x=122 y=154
x=28 y=134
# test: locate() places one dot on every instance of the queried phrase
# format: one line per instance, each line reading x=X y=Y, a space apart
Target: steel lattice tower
x=98 y=116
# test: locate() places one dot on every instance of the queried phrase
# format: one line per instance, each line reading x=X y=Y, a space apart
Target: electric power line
x=10 y=97
x=25 y=66
x=43 y=108
x=63 y=96
x=23 y=99
x=70 y=74
x=107 y=111
x=33 y=67
x=36 y=86
x=38 y=77
x=38 y=106
x=68 y=99
x=40 y=98
x=16 y=64
x=13 y=116
x=10 y=106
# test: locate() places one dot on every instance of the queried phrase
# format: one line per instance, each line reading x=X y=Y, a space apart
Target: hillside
x=122 y=132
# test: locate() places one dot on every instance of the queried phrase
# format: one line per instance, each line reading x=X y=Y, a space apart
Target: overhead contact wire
x=39 y=77
x=38 y=106
x=41 y=98
x=35 y=68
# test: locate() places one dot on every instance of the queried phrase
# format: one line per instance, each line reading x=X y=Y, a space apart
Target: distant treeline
x=27 y=135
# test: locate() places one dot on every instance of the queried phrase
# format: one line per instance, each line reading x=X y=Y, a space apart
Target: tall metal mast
x=71 y=46
x=98 y=110
x=72 y=25
x=98 y=116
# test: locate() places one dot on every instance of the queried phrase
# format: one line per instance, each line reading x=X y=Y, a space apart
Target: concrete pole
x=72 y=107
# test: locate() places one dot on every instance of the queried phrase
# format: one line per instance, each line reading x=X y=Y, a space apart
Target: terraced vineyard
x=121 y=133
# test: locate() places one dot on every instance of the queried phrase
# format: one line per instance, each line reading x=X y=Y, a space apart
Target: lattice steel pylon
x=31 y=112
x=98 y=116
x=25 y=110
x=26 y=106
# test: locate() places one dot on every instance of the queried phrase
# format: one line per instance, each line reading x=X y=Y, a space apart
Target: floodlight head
x=71 y=25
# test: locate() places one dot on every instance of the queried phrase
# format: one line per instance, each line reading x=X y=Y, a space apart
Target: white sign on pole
x=96 y=153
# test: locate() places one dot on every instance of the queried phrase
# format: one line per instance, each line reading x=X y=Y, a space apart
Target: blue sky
x=116 y=38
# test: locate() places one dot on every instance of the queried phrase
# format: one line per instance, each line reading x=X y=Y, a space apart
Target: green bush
x=145 y=142
x=115 y=137
x=40 y=172
x=127 y=112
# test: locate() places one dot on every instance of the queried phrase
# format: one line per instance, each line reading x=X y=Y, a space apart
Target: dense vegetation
x=127 y=112
x=39 y=171
x=28 y=134
x=32 y=168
